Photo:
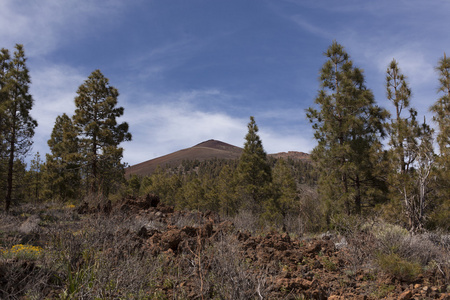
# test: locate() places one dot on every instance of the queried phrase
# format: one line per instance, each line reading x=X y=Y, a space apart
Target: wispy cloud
x=156 y=60
x=44 y=25
x=310 y=27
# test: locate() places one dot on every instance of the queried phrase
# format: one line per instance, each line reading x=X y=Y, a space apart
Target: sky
x=192 y=70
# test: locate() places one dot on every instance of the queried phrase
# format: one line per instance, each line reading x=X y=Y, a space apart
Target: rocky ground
x=201 y=256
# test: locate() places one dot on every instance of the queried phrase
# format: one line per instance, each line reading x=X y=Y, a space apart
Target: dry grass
x=100 y=257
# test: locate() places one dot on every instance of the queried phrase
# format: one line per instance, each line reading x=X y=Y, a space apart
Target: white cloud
x=412 y=61
x=47 y=24
x=275 y=142
x=53 y=89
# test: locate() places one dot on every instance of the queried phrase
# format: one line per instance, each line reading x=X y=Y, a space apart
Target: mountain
x=203 y=151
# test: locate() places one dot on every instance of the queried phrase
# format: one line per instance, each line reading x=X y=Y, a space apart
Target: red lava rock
x=171 y=239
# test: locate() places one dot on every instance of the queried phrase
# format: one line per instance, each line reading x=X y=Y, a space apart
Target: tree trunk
x=10 y=171
x=358 y=196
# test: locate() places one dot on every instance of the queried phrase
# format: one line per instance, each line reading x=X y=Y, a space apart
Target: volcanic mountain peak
x=205 y=150
x=214 y=144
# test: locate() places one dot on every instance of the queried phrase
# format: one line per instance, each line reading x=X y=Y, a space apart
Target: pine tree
x=95 y=117
x=62 y=168
x=441 y=111
x=17 y=126
x=4 y=64
x=347 y=126
x=226 y=186
x=286 y=188
x=4 y=69
x=411 y=154
x=441 y=108
x=402 y=131
x=253 y=171
x=33 y=178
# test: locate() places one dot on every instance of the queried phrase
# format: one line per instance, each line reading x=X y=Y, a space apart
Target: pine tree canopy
x=16 y=124
x=348 y=126
x=95 y=117
x=254 y=172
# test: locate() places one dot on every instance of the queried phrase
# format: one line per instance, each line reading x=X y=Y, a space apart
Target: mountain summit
x=205 y=150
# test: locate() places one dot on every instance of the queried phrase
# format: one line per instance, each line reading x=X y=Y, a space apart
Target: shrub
x=398 y=267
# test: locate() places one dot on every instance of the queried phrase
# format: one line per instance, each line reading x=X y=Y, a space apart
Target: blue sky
x=192 y=70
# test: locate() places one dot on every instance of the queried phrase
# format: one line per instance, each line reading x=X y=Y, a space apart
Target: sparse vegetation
x=248 y=226
x=146 y=252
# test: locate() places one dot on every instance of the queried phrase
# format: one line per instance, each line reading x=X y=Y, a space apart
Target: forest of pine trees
x=367 y=161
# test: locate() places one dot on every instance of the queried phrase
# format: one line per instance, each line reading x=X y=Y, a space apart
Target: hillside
x=206 y=150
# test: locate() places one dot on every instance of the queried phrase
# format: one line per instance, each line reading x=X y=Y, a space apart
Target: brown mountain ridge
x=206 y=150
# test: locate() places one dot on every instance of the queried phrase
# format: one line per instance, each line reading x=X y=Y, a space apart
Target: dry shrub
x=419 y=248
x=96 y=257
x=357 y=241
x=247 y=221
x=295 y=224
x=311 y=211
x=224 y=273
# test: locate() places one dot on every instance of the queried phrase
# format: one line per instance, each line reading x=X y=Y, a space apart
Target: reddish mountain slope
x=203 y=151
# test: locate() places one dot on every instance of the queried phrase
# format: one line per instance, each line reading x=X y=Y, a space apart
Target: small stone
x=31 y=225
x=406 y=295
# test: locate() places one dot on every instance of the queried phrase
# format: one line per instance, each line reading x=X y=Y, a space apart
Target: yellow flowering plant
x=21 y=251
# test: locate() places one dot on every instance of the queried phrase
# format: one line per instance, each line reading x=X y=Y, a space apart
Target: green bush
x=398 y=267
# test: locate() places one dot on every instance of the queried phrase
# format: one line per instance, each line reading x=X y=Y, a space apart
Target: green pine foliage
x=16 y=124
x=254 y=174
x=100 y=135
x=226 y=187
x=350 y=174
x=441 y=111
x=348 y=126
x=4 y=68
x=411 y=155
x=62 y=169
x=285 y=187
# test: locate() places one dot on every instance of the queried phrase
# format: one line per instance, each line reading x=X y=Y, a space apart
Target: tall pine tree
x=253 y=171
x=411 y=154
x=17 y=126
x=347 y=127
x=95 y=117
x=4 y=66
